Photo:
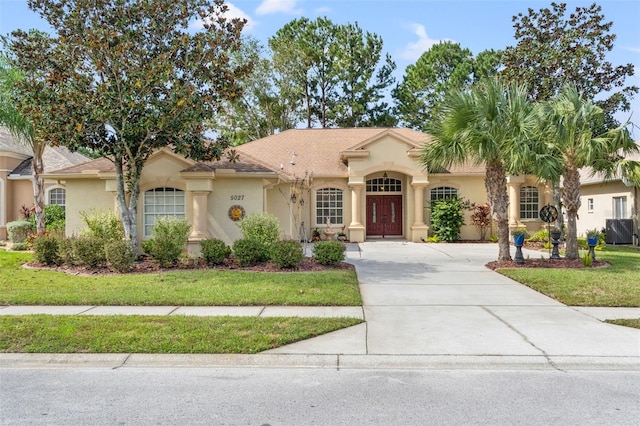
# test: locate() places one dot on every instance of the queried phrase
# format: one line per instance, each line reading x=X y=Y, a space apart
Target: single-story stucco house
x=16 y=179
x=365 y=182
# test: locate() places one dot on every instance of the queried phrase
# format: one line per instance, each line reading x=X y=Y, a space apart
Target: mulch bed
x=561 y=263
x=146 y=265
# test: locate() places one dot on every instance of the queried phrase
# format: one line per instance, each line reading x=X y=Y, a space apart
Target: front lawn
x=158 y=334
x=616 y=285
x=19 y=286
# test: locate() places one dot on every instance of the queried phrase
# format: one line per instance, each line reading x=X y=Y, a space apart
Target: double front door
x=384 y=215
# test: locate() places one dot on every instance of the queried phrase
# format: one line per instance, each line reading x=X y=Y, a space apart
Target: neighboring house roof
x=587 y=177
x=7 y=143
x=53 y=157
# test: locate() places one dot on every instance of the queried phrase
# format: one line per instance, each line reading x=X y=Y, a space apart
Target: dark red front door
x=384 y=214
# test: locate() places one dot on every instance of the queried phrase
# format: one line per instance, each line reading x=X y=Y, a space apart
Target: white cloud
x=632 y=49
x=322 y=10
x=278 y=6
x=232 y=12
x=414 y=50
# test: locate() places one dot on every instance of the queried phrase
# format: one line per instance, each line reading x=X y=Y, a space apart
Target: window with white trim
x=329 y=206
x=529 y=202
x=162 y=202
x=619 y=207
x=384 y=184
x=443 y=192
x=589 y=205
x=57 y=196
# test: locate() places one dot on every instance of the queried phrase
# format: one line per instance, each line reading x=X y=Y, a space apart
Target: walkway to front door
x=384 y=215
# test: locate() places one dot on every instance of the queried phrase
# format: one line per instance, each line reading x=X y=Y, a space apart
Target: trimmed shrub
x=329 y=253
x=120 y=255
x=65 y=251
x=89 y=251
x=19 y=246
x=214 y=251
x=18 y=231
x=249 y=252
x=447 y=217
x=45 y=249
x=261 y=227
x=287 y=254
x=169 y=236
x=103 y=224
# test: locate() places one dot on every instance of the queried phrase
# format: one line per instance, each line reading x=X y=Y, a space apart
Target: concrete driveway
x=440 y=300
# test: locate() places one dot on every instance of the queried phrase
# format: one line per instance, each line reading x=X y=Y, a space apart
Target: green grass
x=635 y=323
x=158 y=334
x=616 y=285
x=19 y=286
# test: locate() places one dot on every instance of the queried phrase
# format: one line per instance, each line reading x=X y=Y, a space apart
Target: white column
x=199 y=229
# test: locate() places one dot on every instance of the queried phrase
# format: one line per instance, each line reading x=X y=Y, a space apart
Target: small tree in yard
x=447 y=217
x=130 y=77
x=481 y=218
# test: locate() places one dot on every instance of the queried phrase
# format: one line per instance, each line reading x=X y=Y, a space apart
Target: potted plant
x=592 y=237
x=518 y=236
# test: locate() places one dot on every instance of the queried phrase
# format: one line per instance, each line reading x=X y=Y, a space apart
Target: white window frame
x=619 y=207
x=443 y=192
x=174 y=206
x=331 y=207
x=530 y=200
x=590 y=205
x=54 y=189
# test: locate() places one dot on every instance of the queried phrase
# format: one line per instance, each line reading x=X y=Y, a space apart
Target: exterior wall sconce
x=302 y=201
x=294 y=198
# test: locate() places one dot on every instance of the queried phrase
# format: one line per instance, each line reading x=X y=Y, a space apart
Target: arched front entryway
x=384 y=206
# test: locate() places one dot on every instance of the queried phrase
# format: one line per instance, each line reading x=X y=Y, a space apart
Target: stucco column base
x=193 y=245
x=356 y=233
x=419 y=233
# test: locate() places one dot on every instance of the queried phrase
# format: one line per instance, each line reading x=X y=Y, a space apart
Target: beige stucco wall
x=602 y=195
x=85 y=195
x=246 y=192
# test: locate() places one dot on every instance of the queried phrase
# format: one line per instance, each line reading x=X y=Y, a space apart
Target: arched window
x=329 y=206
x=57 y=196
x=161 y=202
x=384 y=184
x=443 y=192
x=529 y=202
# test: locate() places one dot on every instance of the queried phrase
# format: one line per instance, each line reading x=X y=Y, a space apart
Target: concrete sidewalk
x=425 y=306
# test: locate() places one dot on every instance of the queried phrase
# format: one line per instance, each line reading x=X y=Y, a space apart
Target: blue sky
x=408 y=27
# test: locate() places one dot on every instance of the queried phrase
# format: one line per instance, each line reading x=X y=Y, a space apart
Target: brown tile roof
x=316 y=151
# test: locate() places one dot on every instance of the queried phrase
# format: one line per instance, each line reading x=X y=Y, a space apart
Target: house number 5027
x=237 y=197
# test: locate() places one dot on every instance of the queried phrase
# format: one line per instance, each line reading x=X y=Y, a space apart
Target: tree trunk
x=128 y=211
x=571 y=201
x=496 y=185
x=38 y=192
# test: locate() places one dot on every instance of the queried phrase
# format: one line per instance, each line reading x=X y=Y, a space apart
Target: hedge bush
x=261 y=227
x=18 y=231
x=287 y=254
x=65 y=251
x=45 y=249
x=249 y=252
x=214 y=251
x=89 y=251
x=329 y=253
x=169 y=236
x=120 y=255
x=103 y=224
x=19 y=246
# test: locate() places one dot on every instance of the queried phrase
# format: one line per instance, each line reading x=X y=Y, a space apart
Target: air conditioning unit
x=619 y=231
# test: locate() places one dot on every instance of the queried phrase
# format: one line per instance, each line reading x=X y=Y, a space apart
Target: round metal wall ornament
x=548 y=213
x=236 y=212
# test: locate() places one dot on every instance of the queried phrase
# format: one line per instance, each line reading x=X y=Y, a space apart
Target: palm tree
x=569 y=142
x=22 y=130
x=490 y=125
